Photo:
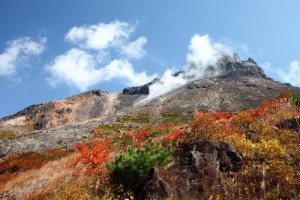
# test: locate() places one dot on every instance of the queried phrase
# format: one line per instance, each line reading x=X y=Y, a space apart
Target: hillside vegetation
x=119 y=157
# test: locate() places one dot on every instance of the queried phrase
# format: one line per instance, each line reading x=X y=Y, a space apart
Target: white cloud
x=123 y=69
x=100 y=36
x=100 y=54
x=19 y=50
x=79 y=69
x=135 y=49
x=75 y=67
x=266 y=66
x=292 y=74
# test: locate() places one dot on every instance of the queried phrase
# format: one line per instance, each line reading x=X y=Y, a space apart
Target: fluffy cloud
x=74 y=67
x=19 y=50
x=101 y=53
x=79 y=69
x=135 y=49
x=100 y=36
x=292 y=74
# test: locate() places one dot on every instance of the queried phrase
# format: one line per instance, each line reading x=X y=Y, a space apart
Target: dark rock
x=2 y=155
x=178 y=73
x=233 y=66
x=96 y=92
x=251 y=135
x=141 y=90
x=201 y=172
x=250 y=60
x=293 y=123
x=43 y=122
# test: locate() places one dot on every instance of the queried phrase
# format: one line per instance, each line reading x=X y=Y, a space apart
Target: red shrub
x=94 y=157
x=141 y=135
x=174 y=135
x=163 y=127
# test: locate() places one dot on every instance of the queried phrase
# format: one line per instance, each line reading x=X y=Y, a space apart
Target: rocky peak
x=234 y=66
x=96 y=92
x=139 y=90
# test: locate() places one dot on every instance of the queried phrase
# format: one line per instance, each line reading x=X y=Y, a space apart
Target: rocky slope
x=231 y=85
x=236 y=85
x=201 y=172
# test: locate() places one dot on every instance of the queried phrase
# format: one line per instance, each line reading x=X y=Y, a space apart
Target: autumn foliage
x=18 y=163
x=271 y=153
x=95 y=156
x=263 y=136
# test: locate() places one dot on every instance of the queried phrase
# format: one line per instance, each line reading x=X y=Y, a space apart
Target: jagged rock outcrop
x=201 y=173
x=43 y=122
x=139 y=90
x=234 y=67
x=142 y=90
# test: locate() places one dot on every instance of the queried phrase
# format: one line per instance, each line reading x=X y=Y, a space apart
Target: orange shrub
x=94 y=157
x=174 y=135
x=212 y=126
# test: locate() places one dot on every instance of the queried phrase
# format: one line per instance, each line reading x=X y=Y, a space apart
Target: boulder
x=203 y=171
x=43 y=122
x=293 y=123
x=139 y=90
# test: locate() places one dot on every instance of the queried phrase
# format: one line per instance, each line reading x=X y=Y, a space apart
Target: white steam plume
x=203 y=54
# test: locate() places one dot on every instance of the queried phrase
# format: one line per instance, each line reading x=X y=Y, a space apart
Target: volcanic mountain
x=228 y=85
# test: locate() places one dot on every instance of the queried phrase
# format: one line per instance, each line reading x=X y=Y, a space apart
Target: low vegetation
x=119 y=158
x=14 y=165
x=6 y=133
x=131 y=168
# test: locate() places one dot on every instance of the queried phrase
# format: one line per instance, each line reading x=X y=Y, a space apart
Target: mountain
x=228 y=85
x=238 y=85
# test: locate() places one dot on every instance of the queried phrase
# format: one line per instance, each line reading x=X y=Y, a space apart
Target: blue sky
x=53 y=49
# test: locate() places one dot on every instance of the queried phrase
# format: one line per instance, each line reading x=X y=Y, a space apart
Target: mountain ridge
x=93 y=103
x=230 y=85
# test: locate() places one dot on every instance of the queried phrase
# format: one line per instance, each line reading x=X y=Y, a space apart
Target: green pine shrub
x=130 y=169
x=296 y=98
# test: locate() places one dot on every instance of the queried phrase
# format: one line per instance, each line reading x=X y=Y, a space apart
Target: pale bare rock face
x=111 y=103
